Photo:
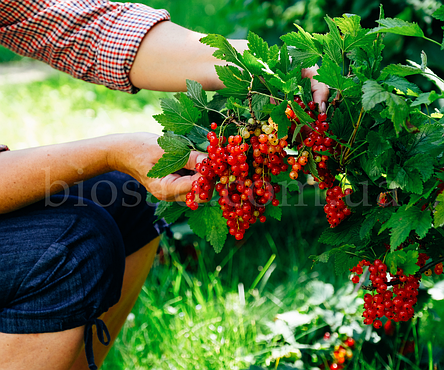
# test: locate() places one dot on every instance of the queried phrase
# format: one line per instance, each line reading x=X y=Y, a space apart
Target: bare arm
x=169 y=54
x=29 y=175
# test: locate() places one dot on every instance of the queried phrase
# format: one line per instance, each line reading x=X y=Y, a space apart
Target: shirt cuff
x=120 y=42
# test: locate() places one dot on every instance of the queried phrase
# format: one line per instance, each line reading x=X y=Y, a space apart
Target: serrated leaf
x=404 y=178
x=178 y=116
x=398 y=26
x=375 y=215
x=236 y=81
x=438 y=215
x=279 y=117
x=284 y=63
x=274 y=212
x=344 y=261
x=207 y=222
x=170 y=211
x=404 y=221
x=426 y=98
x=311 y=164
x=197 y=94
x=175 y=157
x=346 y=233
x=225 y=50
x=423 y=163
x=341 y=125
x=400 y=70
x=331 y=74
x=334 y=32
x=257 y=46
x=400 y=83
x=302 y=40
x=300 y=113
x=373 y=94
x=398 y=110
x=198 y=135
x=304 y=59
x=406 y=260
x=377 y=144
x=349 y=24
x=254 y=65
x=258 y=103
x=439 y=13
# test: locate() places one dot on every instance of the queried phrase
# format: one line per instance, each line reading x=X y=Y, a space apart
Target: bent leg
x=137 y=267
x=56 y=351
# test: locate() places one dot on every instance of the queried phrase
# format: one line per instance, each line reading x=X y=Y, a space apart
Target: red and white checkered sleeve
x=93 y=40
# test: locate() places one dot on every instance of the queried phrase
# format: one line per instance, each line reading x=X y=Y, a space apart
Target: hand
x=320 y=90
x=135 y=154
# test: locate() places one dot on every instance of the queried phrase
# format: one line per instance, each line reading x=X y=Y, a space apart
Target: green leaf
x=404 y=221
x=258 y=103
x=284 y=63
x=426 y=98
x=178 y=116
x=334 y=32
x=377 y=214
x=197 y=94
x=439 y=13
x=346 y=233
x=274 y=212
x=175 y=157
x=344 y=261
x=302 y=40
x=279 y=117
x=403 y=178
x=254 y=65
x=300 y=113
x=225 y=50
x=304 y=59
x=311 y=165
x=207 y=222
x=257 y=46
x=406 y=260
x=438 y=216
x=170 y=211
x=373 y=94
x=378 y=144
x=331 y=74
x=236 y=81
x=349 y=24
x=423 y=163
x=398 y=110
x=398 y=26
x=403 y=85
x=400 y=70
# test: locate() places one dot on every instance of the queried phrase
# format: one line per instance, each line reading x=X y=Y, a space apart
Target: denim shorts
x=63 y=258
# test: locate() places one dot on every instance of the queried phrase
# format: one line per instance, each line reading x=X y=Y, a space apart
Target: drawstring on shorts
x=102 y=331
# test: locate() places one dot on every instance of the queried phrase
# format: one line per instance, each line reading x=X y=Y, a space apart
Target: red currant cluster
x=244 y=189
x=336 y=209
x=320 y=145
x=396 y=304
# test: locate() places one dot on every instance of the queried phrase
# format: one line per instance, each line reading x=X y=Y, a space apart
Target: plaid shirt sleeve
x=93 y=40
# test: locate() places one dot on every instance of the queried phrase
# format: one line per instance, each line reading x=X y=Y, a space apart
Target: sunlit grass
x=62 y=109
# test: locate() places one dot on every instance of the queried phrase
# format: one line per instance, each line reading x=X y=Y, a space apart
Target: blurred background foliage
x=204 y=310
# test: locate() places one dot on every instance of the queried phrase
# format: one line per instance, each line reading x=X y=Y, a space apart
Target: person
x=76 y=240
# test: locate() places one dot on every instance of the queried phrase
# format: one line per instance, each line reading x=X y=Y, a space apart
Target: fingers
x=195 y=158
x=174 y=187
x=320 y=90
